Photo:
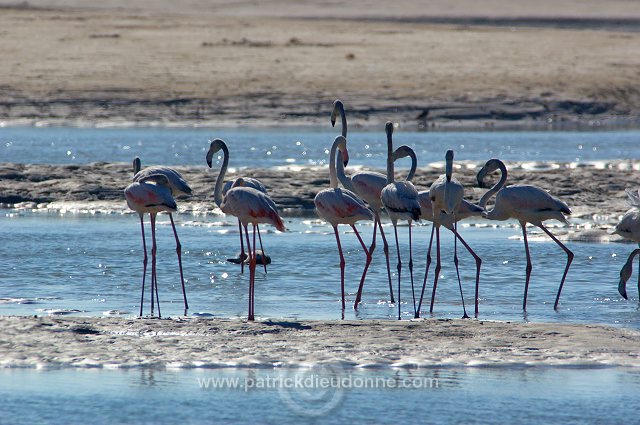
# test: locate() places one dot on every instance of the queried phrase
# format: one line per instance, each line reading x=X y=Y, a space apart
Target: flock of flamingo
x=365 y=195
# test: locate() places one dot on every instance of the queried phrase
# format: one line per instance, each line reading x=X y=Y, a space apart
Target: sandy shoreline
x=278 y=62
x=48 y=342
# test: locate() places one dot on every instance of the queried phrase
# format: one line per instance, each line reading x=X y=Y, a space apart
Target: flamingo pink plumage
x=341 y=206
x=250 y=206
x=150 y=194
x=527 y=204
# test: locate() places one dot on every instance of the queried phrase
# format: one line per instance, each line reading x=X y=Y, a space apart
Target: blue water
x=469 y=396
x=93 y=263
x=274 y=147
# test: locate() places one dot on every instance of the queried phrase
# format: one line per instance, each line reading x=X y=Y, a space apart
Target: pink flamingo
x=341 y=206
x=250 y=206
x=445 y=196
x=247 y=182
x=527 y=204
x=400 y=200
x=150 y=194
x=368 y=186
x=178 y=186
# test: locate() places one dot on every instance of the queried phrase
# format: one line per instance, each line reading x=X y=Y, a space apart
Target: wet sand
x=50 y=342
x=281 y=62
x=594 y=191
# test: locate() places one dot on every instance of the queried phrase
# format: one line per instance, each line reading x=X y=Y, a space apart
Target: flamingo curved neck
x=344 y=179
x=414 y=165
x=496 y=188
x=632 y=257
x=333 y=179
x=217 y=193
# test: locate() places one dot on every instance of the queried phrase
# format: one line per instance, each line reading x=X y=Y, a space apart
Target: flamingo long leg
x=179 y=252
x=399 y=266
x=250 y=310
x=456 y=263
x=413 y=292
x=264 y=255
x=437 y=269
x=426 y=272
x=478 y=266
x=386 y=255
x=529 y=265
x=569 y=260
x=366 y=266
x=144 y=262
x=243 y=256
x=252 y=273
x=342 y=264
x=154 y=272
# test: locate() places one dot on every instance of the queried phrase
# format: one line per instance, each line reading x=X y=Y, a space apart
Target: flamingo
x=445 y=200
x=178 y=186
x=367 y=185
x=341 y=206
x=150 y=194
x=250 y=206
x=400 y=199
x=527 y=204
x=629 y=226
x=247 y=182
x=625 y=274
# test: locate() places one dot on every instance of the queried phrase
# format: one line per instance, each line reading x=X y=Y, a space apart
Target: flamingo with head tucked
x=527 y=204
x=150 y=195
x=178 y=186
x=400 y=199
x=246 y=182
x=341 y=206
x=250 y=206
x=367 y=185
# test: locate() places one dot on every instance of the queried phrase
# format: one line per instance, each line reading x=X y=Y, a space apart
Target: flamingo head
x=137 y=165
x=214 y=148
x=337 y=106
x=388 y=128
x=488 y=168
x=402 y=152
x=239 y=182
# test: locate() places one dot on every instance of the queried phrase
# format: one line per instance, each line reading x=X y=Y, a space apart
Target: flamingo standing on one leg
x=214 y=147
x=150 y=194
x=527 y=204
x=445 y=196
x=178 y=186
x=629 y=226
x=400 y=199
x=341 y=206
x=250 y=206
x=367 y=185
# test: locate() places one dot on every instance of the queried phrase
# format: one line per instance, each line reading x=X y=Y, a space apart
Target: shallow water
x=470 y=396
x=91 y=265
x=291 y=146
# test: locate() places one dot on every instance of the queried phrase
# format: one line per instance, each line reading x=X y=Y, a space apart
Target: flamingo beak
x=345 y=157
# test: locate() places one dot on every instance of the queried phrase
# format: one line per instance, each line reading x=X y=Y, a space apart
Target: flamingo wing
x=177 y=183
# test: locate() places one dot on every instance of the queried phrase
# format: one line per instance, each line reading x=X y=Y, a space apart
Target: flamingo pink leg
x=437 y=269
x=366 y=267
x=456 y=263
x=413 y=292
x=386 y=254
x=252 y=270
x=179 y=252
x=144 y=262
x=426 y=272
x=399 y=266
x=566 y=269
x=250 y=315
x=529 y=265
x=478 y=266
x=154 y=276
x=342 y=264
